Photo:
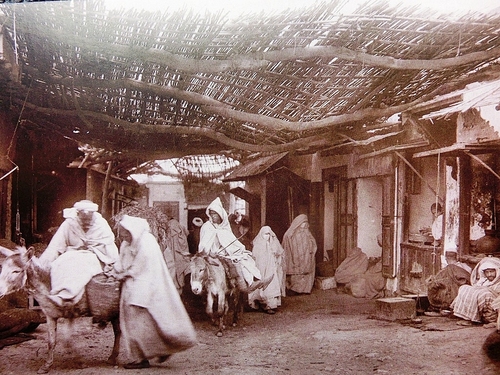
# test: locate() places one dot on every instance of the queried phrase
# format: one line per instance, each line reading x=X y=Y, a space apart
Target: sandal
x=137 y=365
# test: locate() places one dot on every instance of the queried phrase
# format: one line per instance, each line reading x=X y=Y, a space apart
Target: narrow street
x=321 y=333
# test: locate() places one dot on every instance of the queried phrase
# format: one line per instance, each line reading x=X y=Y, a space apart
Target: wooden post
x=315 y=218
x=105 y=188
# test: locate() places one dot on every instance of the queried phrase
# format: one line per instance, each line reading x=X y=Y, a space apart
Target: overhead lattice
x=153 y=85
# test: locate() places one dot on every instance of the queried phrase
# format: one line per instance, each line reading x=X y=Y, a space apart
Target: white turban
x=86 y=205
x=488 y=264
x=197 y=221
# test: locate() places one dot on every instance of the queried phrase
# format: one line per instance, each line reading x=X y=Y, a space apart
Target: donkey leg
x=210 y=305
x=222 y=308
x=221 y=326
x=209 y=309
x=237 y=305
x=113 y=358
x=69 y=343
x=51 y=340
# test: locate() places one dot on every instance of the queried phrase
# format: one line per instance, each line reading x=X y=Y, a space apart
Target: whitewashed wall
x=169 y=192
x=420 y=204
x=369 y=205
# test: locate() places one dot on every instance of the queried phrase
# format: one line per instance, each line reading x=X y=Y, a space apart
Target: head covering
x=135 y=225
x=86 y=205
x=221 y=234
x=488 y=264
x=83 y=205
x=217 y=206
x=477 y=274
x=197 y=221
x=296 y=223
x=266 y=240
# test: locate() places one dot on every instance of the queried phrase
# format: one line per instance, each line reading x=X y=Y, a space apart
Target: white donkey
x=21 y=270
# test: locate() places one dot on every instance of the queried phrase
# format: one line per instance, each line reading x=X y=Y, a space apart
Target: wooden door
x=169 y=208
x=388 y=250
x=345 y=227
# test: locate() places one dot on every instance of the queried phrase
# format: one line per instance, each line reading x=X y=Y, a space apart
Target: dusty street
x=323 y=333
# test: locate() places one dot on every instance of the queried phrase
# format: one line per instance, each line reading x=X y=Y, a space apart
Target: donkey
x=21 y=270
x=208 y=275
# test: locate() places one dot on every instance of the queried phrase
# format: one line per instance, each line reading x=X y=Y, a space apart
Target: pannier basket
x=103 y=296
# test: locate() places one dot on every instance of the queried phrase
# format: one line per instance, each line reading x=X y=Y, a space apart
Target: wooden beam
x=257 y=60
x=483 y=164
x=419 y=175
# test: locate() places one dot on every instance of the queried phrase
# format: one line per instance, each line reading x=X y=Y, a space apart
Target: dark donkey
x=208 y=275
x=21 y=270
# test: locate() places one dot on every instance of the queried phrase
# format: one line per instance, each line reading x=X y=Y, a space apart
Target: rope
x=17 y=123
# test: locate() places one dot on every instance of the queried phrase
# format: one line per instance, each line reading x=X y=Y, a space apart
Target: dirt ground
x=322 y=333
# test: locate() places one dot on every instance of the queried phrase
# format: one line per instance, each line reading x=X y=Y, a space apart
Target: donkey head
x=13 y=274
x=198 y=273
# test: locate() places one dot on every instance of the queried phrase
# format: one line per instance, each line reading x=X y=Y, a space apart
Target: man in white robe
x=81 y=248
x=474 y=302
x=217 y=239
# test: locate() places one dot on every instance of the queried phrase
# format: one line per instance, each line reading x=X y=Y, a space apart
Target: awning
x=254 y=167
x=245 y=195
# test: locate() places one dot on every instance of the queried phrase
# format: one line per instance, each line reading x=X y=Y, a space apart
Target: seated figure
x=473 y=303
x=217 y=239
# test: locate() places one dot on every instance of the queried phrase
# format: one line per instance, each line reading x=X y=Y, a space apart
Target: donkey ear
x=30 y=252
x=26 y=254
x=5 y=251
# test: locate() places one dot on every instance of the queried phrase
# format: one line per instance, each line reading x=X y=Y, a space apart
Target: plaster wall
x=419 y=204
x=169 y=192
x=492 y=115
x=318 y=163
x=369 y=196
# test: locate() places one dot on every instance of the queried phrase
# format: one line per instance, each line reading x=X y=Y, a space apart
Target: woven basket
x=103 y=296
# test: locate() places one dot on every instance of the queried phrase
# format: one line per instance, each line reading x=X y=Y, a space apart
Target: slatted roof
x=182 y=83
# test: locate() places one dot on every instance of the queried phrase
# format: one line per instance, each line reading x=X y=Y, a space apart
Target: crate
x=395 y=308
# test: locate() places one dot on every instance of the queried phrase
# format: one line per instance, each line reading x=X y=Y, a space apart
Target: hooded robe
x=219 y=239
x=473 y=302
x=153 y=319
x=269 y=258
x=300 y=251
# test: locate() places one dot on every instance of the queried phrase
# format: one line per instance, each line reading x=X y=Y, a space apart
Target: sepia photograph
x=249 y=187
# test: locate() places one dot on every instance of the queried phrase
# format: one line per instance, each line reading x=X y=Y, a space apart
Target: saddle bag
x=103 y=296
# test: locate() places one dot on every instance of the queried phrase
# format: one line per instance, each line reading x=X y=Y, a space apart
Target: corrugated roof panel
x=254 y=167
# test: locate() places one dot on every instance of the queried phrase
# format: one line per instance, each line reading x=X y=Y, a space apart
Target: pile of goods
x=156 y=218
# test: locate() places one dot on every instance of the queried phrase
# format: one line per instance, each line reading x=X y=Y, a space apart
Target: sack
x=103 y=296
x=442 y=288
